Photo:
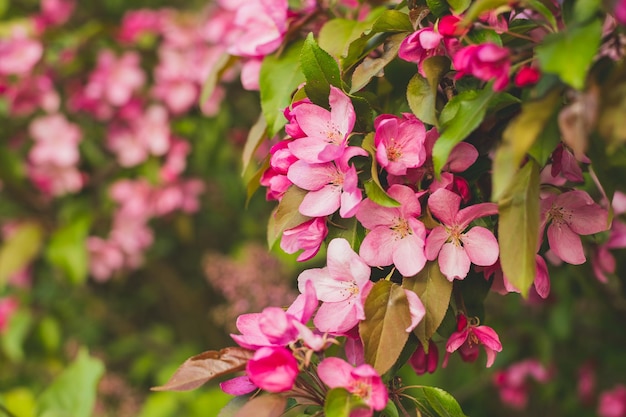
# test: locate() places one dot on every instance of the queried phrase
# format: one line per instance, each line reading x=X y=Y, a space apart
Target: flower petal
x=444 y=204
x=453 y=261
x=481 y=246
x=566 y=244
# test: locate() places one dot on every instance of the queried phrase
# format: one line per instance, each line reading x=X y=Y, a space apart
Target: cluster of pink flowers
x=513 y=382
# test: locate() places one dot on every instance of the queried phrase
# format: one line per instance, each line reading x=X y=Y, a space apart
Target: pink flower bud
x=273 y=369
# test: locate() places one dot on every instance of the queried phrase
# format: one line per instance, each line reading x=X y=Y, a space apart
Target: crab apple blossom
x=395 y=235
x=420 y=45
x=567 y=216
x=613 y=402
x=263 y=24
x=19 y=53
x=362 y=381
x=399 y=143
x=513 y=381
x=115 y=79
x=466 y=339
x=620 y=11
x=326 y=131
x=527 y=76
x=342 y=286
x=454 y=247
x=275 y=177
x=307 y=237
x=8 y=306
x=485 y=61
x=423 y=362
x=273 y=369
x=56 y=141
x=105 y=257
x=331 y=185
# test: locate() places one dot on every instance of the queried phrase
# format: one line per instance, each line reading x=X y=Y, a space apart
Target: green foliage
x=19 y=249
x=67 y=248
x=421 y=92
x=341 y=403
x=320 y=70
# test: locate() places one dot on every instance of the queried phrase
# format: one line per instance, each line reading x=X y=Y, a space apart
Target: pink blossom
x=139 y=22
x=275 y=177
x=115 y=79
x=56 y=180
x=485 y=61
x=342 y=286
x=613 y=402
x=602 y=260
x=456 y=248
x=527 y=76
x=19 y=54
x=362 y=381
x=31 y=93
x=399 y=143
x=263 y=24
x=8 y=306
x=502 y=285
x=450 y=26
x=105 y=258
x=176 y=160
x=395 y=235
x=292 y=128
x=567 y=216
x=512 y=382
x=495 y=20
x=468 y=336
x=56 y=141
x=423 y=362
x=564 y=162
x=331 y=185
x=307 y=237
x=273 y=369
x=620 y=11
x=250 y=71
x=326 y=131
x=55 y=12
x=420 y=45
x=240 y=385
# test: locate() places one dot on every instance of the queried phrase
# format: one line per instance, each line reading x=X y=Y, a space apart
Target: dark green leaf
x=14 y=336
x=67 y=249
x=340 y=403
x=336 y=36
x=481 y=6
x=438 y=7
x=384 y=330
x=73 y=393
x=421 y=92
x=569 y=54
x=224 y=62
x=459 y=6
x=278 y=78
x=391 y=410
x=541 y=8
x=320 y=70
x=434 y=290
x=586 y=9
x=442 y=402
x=518 y=227
x=546 y=142
x=345 y=229
x=393 y=21
x=461 y=115
x=518 y=137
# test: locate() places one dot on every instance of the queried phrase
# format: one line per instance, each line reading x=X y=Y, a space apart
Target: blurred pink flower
x=273 y=369
x=56 y=141
x=362 y=381
x=423 y=362
x=513 y=381
x=105 y=258
x=19 y=54
x=307 y=237
x=8 y=306
x=262 y=24
x=115 y=79
x=485 y=61
x=613 y=402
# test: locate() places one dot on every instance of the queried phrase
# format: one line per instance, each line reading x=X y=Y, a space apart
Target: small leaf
x=13 y=338
x=434 y=290
x=518 y=227
x=278 y=78
x=233 y=406
x=421 y=92
x=393 y=21
x=73 y=393
x=460 y=117
x=255 y=137
x=286 y=215
x=336 y=36
x=459 y=6
x=340 y=403
x=67 y=250
x=391 y=410
x=206 y=366
x=541 y=8
x=369 y=68
x=442 y=402
x=438 y=7
x=384 y=330
x=320 y=70
x=271 y=405
x=569 y=54
x=546 y=142
x=223 y=63
x=19 y=249
x=518 y=137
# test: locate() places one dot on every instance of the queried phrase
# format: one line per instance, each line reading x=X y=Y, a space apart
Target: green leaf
x=479 y=7
x=391 y=410
x=369 y=68
x=421 y=92
x=344 y=229
x=518 y=137
x=393 y=21
x=286 y=215
x=271 y=405
x=546 y=142
x=14 y=336
x=336 y=36
x=67 y=249
x=434 y=290
x=569 y=54
x=278 y=78
x=459 y=6
x=373 y=188
x=224 y=62
x=586 y=9
x=442 y=402
x=233 y=406
x=255 y=137
x=340 y=403
x=73 y=393
x=541 y=8
x=438 y=7
x=320 y=70
x=518 y=227
x=19 y=249
x=384 y=330
x=461 y=115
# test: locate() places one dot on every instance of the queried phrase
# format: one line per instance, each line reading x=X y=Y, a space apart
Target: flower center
x=455 y=233
x=560 y=215
x=401 y=228
x=333 y=134
x=393 y=151
x=361 y=389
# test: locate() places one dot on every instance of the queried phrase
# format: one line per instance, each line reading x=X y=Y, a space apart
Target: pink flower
x=512 y=382
x=564 y=162
x=19 y=54
x=138 y=22
x=421 y=45
x=240 y=385
x=468 y=336
x=326 y=131
x=342 y=286
x=450 y=26
x=307 y=236
x=484 y=61
x=602 y=260
x=569 y=215
x=331 y=185
x=8 y=306
x=613 y=402
x=527 y=76
x=620 y=11
x=399 y=143
x=273 y=369
x=56 y=141
x=56 y=12
x=105 y=258
x=263 y=24
x=395 y=235
x=31 y=93
x=423 y=362
x=275 y=177
x=115 y=79
x=456 y=248
x=56 y=180
x=362 y=381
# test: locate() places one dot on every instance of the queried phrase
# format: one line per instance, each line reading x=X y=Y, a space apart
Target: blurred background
x=131 y=241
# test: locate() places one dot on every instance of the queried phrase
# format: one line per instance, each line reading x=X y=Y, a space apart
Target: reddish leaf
x=201 y=368
x=264 y=406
